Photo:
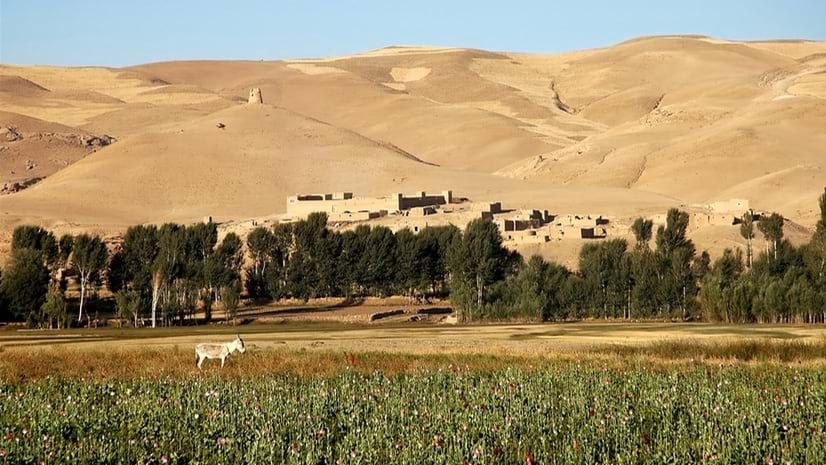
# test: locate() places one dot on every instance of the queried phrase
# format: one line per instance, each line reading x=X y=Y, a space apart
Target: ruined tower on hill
x=255 y=96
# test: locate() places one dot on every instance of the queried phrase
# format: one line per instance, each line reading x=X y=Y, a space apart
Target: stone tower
x=255 y=96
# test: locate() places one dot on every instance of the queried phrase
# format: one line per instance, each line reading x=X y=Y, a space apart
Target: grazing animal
x=222 y=351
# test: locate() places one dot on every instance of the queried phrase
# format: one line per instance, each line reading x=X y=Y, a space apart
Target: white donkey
x=222 y=351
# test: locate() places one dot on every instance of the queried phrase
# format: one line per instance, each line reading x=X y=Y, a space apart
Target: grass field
x=322 y=393
x=520 y=339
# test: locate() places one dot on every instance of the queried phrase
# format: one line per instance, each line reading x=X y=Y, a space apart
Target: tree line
x=161 y=275
x=164 y=275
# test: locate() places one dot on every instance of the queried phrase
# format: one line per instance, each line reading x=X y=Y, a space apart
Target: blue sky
x=115 y=33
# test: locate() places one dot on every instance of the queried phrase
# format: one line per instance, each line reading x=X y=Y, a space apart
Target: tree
x=25 y=284
x=672 y=236
x=37 y=239
x=230 y=255
x=88 y=259
x=65 y=246
x=140 y=248
x=643 y=229
x=230 y=297
x=381 y=261
x=261 y=248
x=606 y=274
x=644 y=270
x=127 y=305
x=276 y=273
x=200 y=240
x=4 y=316
x=747 y=231
x=477 y=260
x=409 y=270
x=532 y=299
x=167 y=265
x=816 y=250
x=222 y=268
x=772 y=228
x=701 y=266
x=676 y=253
x=717 y=293
x=304 y=265
x=131 y=268
x=54 y=309
x=821 y=223
x=434 y=243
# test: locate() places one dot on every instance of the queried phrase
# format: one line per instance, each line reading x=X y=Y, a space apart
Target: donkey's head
x=239 y=344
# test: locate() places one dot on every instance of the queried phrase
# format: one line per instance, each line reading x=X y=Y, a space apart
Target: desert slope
x=624 y=130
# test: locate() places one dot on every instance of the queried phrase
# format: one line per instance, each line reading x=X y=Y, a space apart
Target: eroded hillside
x=629 y=129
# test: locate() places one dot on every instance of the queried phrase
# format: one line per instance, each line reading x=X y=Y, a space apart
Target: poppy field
x=580 y=412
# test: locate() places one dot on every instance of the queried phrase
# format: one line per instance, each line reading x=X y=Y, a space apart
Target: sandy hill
x=623 y=130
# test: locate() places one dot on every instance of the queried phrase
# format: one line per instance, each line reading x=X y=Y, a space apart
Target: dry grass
x=74 y=363
x=740 y=350
x=19 y=366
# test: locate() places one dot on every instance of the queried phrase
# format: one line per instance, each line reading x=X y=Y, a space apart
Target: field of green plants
x=575 y=412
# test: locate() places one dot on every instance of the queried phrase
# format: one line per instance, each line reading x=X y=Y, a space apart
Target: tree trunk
x=479 y=291
x=82 y=296
x=156 y=294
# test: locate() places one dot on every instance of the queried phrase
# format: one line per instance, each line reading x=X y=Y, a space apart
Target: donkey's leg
x=222 y=361
x=200 y=361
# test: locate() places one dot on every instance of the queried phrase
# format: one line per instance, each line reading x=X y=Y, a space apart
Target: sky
x=120 y=33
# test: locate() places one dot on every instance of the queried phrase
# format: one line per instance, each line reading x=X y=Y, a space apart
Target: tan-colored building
x=338 y=203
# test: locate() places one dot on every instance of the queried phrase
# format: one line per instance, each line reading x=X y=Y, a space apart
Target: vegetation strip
x=558 y=413
x=165 y=275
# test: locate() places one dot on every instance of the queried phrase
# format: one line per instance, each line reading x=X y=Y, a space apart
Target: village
x=518 y=226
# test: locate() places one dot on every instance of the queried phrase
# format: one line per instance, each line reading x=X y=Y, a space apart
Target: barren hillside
x=629 y=129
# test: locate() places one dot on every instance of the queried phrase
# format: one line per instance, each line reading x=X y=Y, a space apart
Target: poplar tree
x=89 y=257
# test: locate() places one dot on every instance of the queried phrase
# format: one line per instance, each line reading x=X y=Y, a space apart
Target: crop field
x=559 y=413
x=747 y=400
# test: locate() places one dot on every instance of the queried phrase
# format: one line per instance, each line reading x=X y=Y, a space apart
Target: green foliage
x=25 y=284
x=65 y=247
x=178 y=269
x=262 y=250
x=579 y=413
x=89 y=256
x=230 y=298
x=409 y=257
x=54 y=313
x=821 y=223
x=643 y=229
x=672 y=236
x=677 y=285
x=36 y=239
x=606 y=274
x=128 y=305
x=536 y=292
x=381 y=261
x=477 y=260
x=747 y=232
x=772 y=228
x=132 y=266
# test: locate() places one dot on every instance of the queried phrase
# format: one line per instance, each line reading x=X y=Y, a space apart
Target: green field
x=327 y=394
x=559 y=413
